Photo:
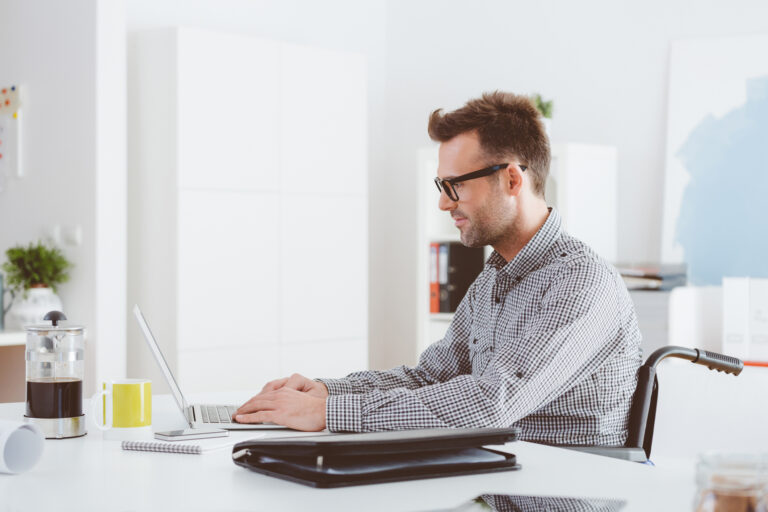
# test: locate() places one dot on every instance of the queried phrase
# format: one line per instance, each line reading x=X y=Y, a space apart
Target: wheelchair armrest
x=616 y=452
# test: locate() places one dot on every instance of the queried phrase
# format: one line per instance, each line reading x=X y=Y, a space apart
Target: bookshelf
x=582 y=185
x=434 y=226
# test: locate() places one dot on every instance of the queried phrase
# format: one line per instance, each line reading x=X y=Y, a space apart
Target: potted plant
x=545 y=108
x=33 y=274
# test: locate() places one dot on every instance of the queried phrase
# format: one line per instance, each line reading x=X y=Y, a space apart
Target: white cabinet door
x=228 y=256
x=324 y=270
x=262 y=215
x=324 y=122
x=228 y=111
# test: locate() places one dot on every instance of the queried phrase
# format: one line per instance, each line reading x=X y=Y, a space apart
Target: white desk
x=90 y=473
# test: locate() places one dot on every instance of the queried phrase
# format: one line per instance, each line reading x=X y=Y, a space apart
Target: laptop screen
x=162 y=363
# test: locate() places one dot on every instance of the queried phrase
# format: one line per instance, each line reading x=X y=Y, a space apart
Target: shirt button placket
x=496 y=296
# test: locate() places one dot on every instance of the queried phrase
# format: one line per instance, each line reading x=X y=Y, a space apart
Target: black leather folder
x=356 y=459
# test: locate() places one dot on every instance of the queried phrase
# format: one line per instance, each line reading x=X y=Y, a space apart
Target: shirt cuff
x=338 y=386
x=343 y=413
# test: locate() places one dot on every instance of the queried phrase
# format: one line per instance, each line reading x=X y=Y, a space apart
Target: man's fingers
x=305 y=385
x=264 y=395
x=256 y=417
x=278 y=390
x=275 y=384
x=254 y=404
x=299 y=382
x=295 y=381
x=286 y=406
x=245 y=406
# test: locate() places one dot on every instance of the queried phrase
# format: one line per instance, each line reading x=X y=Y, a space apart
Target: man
x=546 y=337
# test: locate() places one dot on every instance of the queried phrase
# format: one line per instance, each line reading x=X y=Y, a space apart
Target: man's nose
x=445 y=203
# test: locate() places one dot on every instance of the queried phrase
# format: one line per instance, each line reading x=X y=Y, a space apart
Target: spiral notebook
x=191 y=448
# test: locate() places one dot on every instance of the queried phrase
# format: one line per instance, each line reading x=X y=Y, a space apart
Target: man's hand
x=295 y=402
x=285 y=406
x=299 y=383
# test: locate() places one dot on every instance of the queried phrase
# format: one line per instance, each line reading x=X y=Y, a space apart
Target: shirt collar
x=530 y=257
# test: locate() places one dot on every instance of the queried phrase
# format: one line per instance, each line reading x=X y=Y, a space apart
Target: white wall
x=68 y=57
x=110 y=198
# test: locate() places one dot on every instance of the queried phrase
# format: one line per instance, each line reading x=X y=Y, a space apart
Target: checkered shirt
x=547 y=342
x=511 y=503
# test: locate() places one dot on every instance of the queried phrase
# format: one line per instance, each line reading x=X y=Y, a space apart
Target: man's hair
x=507 y=125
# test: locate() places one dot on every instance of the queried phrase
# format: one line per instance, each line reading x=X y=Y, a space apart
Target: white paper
x=21 y=445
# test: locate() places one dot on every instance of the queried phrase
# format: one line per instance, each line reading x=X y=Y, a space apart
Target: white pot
x=32 y=309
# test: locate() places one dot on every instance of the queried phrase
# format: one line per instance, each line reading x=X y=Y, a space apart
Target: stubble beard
x=487 y=227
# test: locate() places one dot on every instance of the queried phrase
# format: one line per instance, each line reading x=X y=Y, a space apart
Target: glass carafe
x=55 y=360
x=732 y=482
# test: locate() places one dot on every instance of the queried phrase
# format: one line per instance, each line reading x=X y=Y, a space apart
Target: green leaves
x=36 y=264
x=544 y=107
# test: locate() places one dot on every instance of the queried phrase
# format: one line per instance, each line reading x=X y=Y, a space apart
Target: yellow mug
x=123 y=404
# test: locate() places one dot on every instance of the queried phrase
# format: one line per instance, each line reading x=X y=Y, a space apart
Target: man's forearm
x=367 y=381
x=458 y=403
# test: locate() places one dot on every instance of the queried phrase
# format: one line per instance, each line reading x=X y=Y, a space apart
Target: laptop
x=198 y=416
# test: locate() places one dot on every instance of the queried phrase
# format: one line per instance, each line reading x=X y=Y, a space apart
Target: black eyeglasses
x=448 y=185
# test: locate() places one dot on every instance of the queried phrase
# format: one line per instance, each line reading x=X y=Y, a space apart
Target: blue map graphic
x=723 y=222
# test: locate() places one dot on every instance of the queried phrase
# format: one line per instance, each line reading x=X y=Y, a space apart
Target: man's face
x=482 y=213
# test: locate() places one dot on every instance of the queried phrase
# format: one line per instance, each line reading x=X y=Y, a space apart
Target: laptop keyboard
x=217 y=413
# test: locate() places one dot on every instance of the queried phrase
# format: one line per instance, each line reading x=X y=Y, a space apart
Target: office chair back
x=642 y=417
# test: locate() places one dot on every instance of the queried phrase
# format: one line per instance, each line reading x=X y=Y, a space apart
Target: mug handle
x=97 y=409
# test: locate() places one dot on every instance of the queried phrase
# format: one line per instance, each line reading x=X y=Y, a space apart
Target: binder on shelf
x=458 y=267
x=653 y=277
x=442 y=267
x=434 y=285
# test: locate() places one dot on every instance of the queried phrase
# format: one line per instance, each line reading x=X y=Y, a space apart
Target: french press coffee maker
x=55 y=368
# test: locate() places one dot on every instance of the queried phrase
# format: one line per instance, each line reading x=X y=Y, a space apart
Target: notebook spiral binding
x=150 y=446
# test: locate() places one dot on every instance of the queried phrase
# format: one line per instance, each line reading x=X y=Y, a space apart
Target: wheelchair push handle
x=711 y=360
x=720 y=362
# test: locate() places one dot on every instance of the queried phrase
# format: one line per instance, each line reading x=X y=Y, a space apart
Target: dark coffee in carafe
x=54 y=398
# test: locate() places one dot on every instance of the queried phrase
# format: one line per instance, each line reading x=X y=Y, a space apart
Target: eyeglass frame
x=439 y=182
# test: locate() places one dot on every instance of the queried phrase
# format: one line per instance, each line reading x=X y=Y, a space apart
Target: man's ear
x=514 y=179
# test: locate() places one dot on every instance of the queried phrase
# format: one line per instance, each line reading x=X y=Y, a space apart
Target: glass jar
x=731 y=482
x=55 y=360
